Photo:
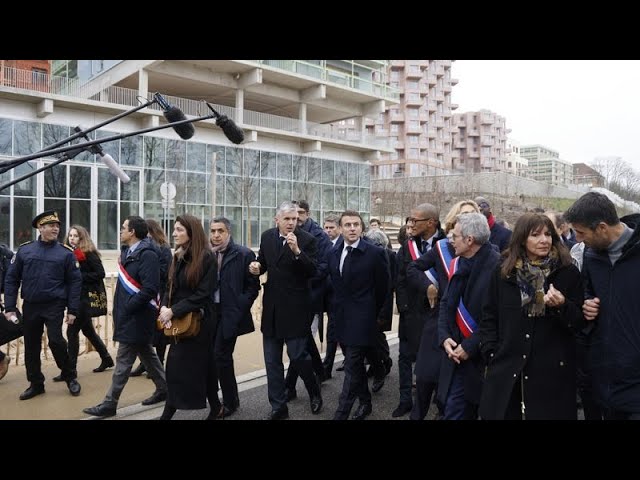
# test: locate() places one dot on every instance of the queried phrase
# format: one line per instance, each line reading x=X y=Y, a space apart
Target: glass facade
x=245 y=185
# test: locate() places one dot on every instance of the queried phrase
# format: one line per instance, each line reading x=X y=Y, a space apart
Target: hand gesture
x=254 y=268
x=292 y=241
x=432 y=295
x=591 y=308
x=554 y=297
x=70 y=319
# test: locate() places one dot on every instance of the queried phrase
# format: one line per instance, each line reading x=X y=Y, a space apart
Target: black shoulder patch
x=66 y=246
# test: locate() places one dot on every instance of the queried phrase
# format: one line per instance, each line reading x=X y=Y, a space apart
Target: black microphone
x=174 y=114
x=107 y=159
x=228 y=126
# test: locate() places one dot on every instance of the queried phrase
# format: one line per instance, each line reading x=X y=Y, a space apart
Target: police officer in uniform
x=51 y=281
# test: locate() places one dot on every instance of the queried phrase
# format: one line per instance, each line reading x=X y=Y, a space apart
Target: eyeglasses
x=452 y=236
x=416 y=220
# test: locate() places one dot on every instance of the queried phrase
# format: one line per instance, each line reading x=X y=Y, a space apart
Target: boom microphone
x=174 y=114
x=114 y=168
x=228 y=126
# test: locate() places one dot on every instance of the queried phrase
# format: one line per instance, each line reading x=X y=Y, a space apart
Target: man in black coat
x=288 y=255
x=237 y=290
x=135 y=310
x=500 y=235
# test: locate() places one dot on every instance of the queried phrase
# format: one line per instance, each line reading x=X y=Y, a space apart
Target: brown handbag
x=182 y=327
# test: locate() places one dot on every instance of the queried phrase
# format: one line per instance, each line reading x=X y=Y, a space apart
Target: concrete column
x=143 y=83
x=302 y=115
x=239 y=106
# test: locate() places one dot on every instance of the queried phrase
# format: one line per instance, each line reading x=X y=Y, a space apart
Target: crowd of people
x=494 y=324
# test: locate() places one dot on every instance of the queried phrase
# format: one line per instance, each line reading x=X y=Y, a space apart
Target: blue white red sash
x=132 y=287
x=464 y=320
x=414 y=251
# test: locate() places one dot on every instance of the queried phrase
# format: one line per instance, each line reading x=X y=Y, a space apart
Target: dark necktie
x=425 y=246
x=347 y=260
x=281 y=243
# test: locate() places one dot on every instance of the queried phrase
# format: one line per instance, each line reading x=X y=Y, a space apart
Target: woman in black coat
x=190 y=369
x=92 y=274
x=533 y=310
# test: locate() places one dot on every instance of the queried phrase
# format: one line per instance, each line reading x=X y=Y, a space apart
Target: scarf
x=80 y=256
x=220 y=250
x=491 y=221
x=531 y=276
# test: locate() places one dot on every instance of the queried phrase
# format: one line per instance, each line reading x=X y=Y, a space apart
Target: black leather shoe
x=341 y=367
x=58 y=378
x=106 y=363
x=377 y=385
x=316 y=404
x=401 y=409
x=281 y=414
x=327 y=373
x=388 y=363
x=138 y=371
x=157 y=397
x=363 y=412
x=100 y=410
x=290 y=394
x=74 y=387
x=370 y=372
x=32 y=391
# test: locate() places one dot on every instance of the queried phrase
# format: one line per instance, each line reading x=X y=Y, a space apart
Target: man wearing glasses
x=413 y=304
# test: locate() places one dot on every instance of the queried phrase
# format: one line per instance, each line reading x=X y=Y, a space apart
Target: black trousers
x=36 y=317
x=84 y=324
x=224 y=348
x=316 y=364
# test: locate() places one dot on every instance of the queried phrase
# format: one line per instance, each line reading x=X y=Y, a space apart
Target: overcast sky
x=581 y=108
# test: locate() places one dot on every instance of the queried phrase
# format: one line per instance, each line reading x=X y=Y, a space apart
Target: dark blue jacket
x=319 y=281
x=500 y=236
x=615 y=339
x=238 y=290
x=49 y=272
x=360 y=294
x=134 y=318
x=5 y=260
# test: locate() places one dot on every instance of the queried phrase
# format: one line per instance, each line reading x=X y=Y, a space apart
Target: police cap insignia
x=48 y=216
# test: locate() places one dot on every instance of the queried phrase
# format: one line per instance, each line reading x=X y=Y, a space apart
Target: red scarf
x=79 y=254
x=491 y=220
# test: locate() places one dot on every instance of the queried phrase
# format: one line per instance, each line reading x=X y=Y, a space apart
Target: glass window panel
x=314 y=194
x=327 y=197
x=197 y=156
x=251 y=227
x=365 y=199
x=5 y=136
x=131 y=190
x=178 y=178
x=107 y=185
x=59 y=206
x=252 y=191
x=219 y=159
x=234 y=161
x=176 y=154
x=108 y=228
x=153 y=152
x=197 y=187
x=52 y=134
x=352 y=199
x=299 y=191
x=352 y=174
x=55 y=181
x=153 y=180
x=284 y=166
x=24 y=209
x=127 y=209
x=25 y=187
x=340 y=204
x=284 y=192
x=131 y=151
x=365 y=175
x=234 y=214
x=112 y=148
x=155 y=211
x=80 y=213
x=268 y=193
x=267 y=221
x=251 y=163
x=4 y=220
x=267 y=165
x=27 y=137
x=234 y=191
x=341 y=173
x=299 y=168
x=313 y=170
x=83 y=155
x=328 y=171
x=79 y=182
x=220 y=179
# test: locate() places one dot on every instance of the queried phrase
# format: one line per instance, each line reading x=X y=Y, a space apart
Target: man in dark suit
x=288 y=254
x=360 y=276
x=500 y=235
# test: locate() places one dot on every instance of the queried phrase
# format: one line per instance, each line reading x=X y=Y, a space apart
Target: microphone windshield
x=230 y=129
x=174 y=114
x=114 y=168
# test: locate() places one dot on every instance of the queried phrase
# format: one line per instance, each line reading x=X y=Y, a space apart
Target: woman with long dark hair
x=527 y=333
x=190 y=369
x=92 y=272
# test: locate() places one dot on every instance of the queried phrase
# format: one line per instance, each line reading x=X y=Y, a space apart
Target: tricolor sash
x=132 y=287
x=414 y=251
x=464 y=320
